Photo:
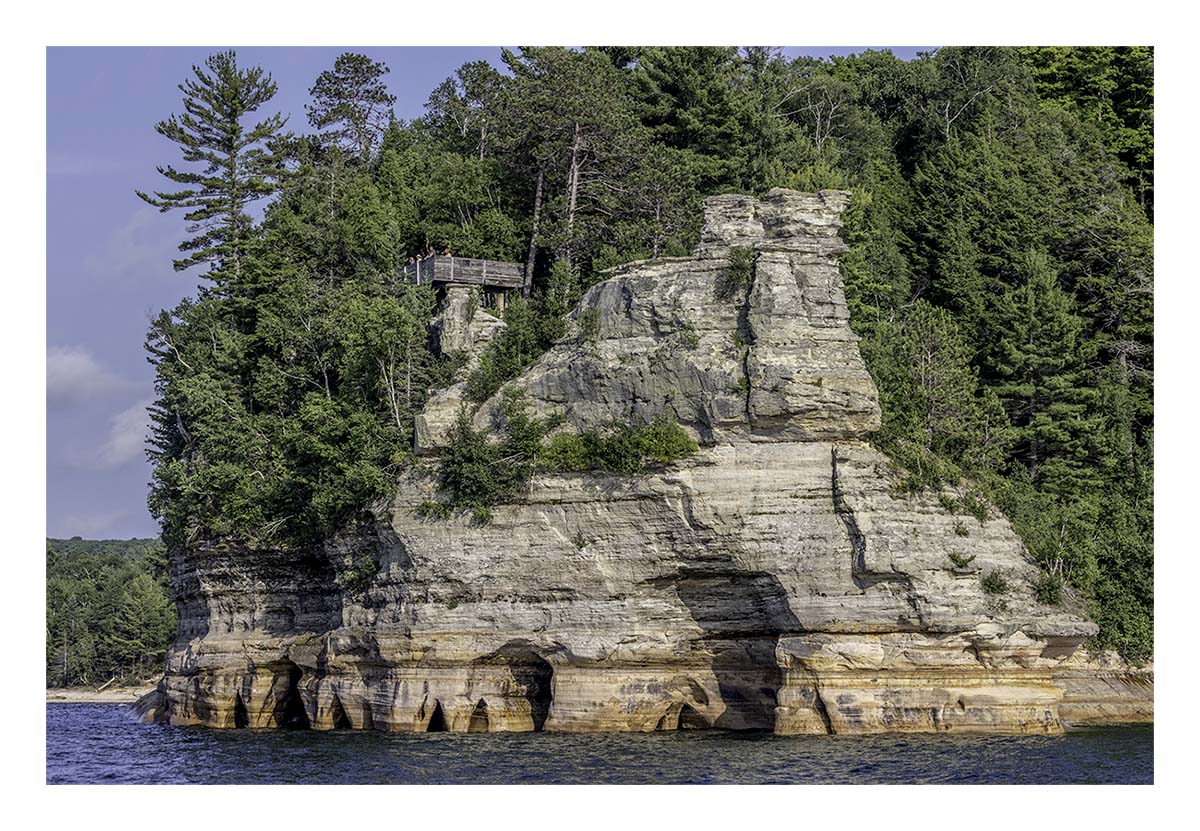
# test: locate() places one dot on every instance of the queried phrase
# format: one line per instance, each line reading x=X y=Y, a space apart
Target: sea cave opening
x=337 y=714
x=689 y=719
x=479 y=718
x=536 y=675
x=685 y=718
x=437 y=722
x=240 y=717
x=292 y=714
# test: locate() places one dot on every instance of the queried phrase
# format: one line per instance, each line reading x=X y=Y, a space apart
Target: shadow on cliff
x=742 y=615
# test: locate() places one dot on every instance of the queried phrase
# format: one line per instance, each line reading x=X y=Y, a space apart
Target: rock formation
x=774 y=580
x=461 y=328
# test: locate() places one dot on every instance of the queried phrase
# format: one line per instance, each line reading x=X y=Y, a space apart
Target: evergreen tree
x=686 y=97
x=239 y=168
x=1039 y=361
x=464 y=109
x=1112 y=87
x=570 y=109
x=351 y=104
x=88 y=582
x=144 y=624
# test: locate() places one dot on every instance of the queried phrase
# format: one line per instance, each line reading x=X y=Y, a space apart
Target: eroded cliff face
x=774 y=580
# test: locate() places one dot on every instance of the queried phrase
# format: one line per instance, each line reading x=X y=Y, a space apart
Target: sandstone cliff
x=774 y=580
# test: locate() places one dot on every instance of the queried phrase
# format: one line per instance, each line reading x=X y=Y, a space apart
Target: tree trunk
x=572 y=189
x=658 y=229
x=537 y=211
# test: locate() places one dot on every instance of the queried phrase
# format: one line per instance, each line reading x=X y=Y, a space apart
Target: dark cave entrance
x=290 y=711
x=337 y=713
x=437 y=722
x=479 y=718
x=686 y=718
x=743 y=645
x=536 y=675
x=240 y=717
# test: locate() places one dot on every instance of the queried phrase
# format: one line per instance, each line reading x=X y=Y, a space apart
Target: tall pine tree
x=238 y=166
x=1039 y=360
x=351 y=104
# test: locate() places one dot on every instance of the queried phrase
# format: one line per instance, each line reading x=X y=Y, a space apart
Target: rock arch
x=337 y=715
x=691 y=719
x=533 y=674
x=290 y=711
x=479 y=718
x=682 y=717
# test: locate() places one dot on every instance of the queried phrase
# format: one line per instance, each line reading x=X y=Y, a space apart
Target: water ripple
x=101 y=743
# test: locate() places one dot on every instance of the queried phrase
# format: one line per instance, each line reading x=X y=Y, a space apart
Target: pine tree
x=935 y=420
x=686 y=97
x=463 y=110
x=944 y=383
x=569 y=113
x=239 y=168
x=1038 y=357
x=144 y=623
x=351 y=104
x=1111 y=87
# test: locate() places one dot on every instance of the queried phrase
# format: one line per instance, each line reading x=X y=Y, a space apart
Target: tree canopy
x=108 y=610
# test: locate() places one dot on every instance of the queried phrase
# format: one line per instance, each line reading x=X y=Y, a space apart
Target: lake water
x=101 y=743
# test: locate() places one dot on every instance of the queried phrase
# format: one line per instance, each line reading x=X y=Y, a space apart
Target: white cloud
x=73 y=375
x=127 y=434
x=140 y=250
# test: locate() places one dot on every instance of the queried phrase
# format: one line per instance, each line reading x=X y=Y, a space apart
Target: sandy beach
x=90 y=695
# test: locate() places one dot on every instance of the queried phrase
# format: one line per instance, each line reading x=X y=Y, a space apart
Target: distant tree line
x=109 y=612
x=1000 y=267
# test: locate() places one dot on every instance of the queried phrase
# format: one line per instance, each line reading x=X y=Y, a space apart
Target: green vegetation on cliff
x=476 y=472
x=1000 y=270
x=108 y=610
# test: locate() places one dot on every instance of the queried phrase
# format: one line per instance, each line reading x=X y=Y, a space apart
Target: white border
x=617 y=21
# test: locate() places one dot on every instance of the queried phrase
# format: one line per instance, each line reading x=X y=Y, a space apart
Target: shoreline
x=89 y=695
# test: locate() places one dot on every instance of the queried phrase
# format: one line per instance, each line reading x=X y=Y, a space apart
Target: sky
x=108 y=258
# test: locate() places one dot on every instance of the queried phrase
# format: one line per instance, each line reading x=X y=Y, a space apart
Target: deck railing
x=448 y=269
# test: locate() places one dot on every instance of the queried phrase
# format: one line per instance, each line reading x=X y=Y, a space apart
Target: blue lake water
x=101 y=743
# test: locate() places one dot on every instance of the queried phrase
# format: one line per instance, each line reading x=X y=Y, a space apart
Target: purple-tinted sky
x=109 y=255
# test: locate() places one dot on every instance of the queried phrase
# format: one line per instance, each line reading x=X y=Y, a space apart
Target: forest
x=108 y=610
x=1000 y=268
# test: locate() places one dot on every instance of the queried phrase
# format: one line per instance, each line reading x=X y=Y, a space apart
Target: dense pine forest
x=1000 y=271
x=108 y=610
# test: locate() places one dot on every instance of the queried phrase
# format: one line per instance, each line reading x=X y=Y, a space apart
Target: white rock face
x=460 y=328
x=774 y=580
x=772 y=361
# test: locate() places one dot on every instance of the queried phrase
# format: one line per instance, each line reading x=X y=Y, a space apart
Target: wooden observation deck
x=466 y=271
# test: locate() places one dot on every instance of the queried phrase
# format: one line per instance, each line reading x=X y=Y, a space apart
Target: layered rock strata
x=774 y=580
